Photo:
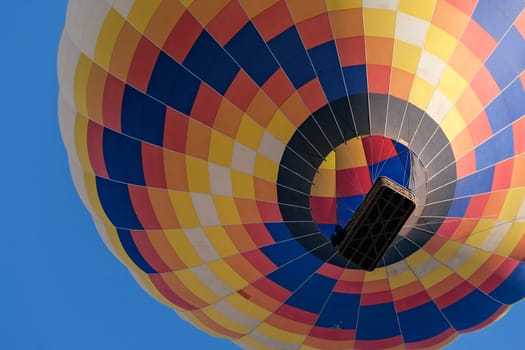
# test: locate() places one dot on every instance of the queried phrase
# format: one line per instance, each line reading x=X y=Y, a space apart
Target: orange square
x=163 y=248
x=478 y=40
x=182 y=37
x=450 y=19
x=302 y=10
x=480 y=129
x=242 y=90
x=295 y=109
x=494 y=205
x=240 y=238
x=228 y=119
x=379 y=50
x=198 y=139
x=265 y=190
x=485 y=86
x=227 y=22
x=469 y=105
x=95 y=93
x=248 y=210
x=400 y=83
x=378 y=78
x=518 y=180
x=243 y=267
x=175 y=169
x=122 y=54
x=288 y=324
x=465 y=62
x=315 y=31
x=261 y=108
x=347 y=23
x=163 y=20
x=161 y=203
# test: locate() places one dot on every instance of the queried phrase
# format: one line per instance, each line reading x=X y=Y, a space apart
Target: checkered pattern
x=196 y=128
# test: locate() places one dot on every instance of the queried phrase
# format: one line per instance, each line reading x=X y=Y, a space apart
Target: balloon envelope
x=218 y=143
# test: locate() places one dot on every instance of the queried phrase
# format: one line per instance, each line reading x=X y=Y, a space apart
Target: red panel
x=436 y=342
x=466 y=6
x=227 y=22
x=273 y=21
x=478 y=40
x=480 y=129
x=315 y=31
x=331 y=271
x=95 y=136
x=502 y=175
x=144 y=61
x=378 y=149
x=518 y=130
x=378 y=78
x=500 y=275
x=182 y=37
x=477 y=205
x=412 y=301
x=175 y=130
x=206 y=105
x=112 y=103
x=376 y=298
x=259 y=234
x=241 y=91
x=142 y=205
x=351 y=51
x=248 y=210
x=214 y=326
x=169 y=294
x=270 y=212
x=153 y=165
x=323 y=209
x=333 y=333
x=272 y=289
x=260 y=261
x=278 y=87
x=485 y=86
x=466 y=165
x=454 y=295
x=353 y=181
x=148 y=252
x=379 y=344
x=313 y=95
x=296 y=314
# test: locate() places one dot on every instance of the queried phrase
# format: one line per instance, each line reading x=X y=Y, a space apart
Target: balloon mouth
x=336 y=154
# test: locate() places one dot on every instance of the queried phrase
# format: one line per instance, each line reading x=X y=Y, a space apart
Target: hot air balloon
x=218 y=143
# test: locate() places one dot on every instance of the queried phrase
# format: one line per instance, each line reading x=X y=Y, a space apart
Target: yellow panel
x=81 y=82
x=243 y=186
x=253 y=8
x=436 y=276
x=266 y=168
x=81 y=125
x=196 y=286
x=253 y=343
x=221 y=149
x=513 y=236
x=107 y=38
x=453 y=124
x=512 y=204
x=377 y=274
x=421 y=93
x=224 y=321
x=205 y=10
x=220 y=241
x=227 y=275
x=248 y=308
x=280 y=335
x=418 y=8
x=167 y=15
x=183 y=207
x=416 y=259
x=281 y=127
x=452 y=85
x=226 y=210
x=401 y=279
x=447 y=251
x=329 y=162
x=198 y=175
x=250 y=133
x=334 y=5
x=350 y=155
x=440 y=43
x=480 y=233
x=473 y=264
x=183 y=247
x=141 y=13
x=379 y=22
x=187 y=3
x=406 y=56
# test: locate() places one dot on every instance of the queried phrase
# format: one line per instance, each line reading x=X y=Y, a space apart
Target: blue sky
x=64 y=289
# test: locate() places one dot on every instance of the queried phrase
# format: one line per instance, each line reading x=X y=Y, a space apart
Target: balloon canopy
x=218 y=143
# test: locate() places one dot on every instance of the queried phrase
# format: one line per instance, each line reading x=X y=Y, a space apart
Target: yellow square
x=452 y=85
x=221 y=241
x=380 y=23
x=440 y=43
x=473 y=264
x=141 y=13
x=243 y=186
x=183 y=247
x=266 y=168
x=250 y=133
x=281 y=127
x=418 y=8
x=107 y=37
x=406 y=56
x=195 y=285
x=334 y=5
x=183 y=207
x=452 y=124
x=512 y=238
x=436 y=276
x=421 y=93
x=512 y=205
x=197 y=174
x=226 y=210
x=227 y=275
x=224 y=320
x=221 y=149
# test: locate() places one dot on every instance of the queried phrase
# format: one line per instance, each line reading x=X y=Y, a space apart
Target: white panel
x=201 y=244
x=463 y=254
x=211 y=280
x=439 y=106
x=271 y=147
x=77 y=174
x=66 y=119
x=234 y=314
x=381 y=4
x=122 y=6
x=243 y=158
x=430 y=68
x=411 y=29
x=68 y=55
x=220 y=180
x=397 y=268
x=273 y=343
x=205 y=209
x=496 y=235
x=426 y=267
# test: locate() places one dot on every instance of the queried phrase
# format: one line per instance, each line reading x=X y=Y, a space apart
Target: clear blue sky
x=60 y=287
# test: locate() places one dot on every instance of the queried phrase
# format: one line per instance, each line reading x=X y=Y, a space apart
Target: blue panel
x=279 y=231
x=340 y=311
x=459 y=207
x=508 y=59
x=123 y=158
x=513 y=288
x=142 y=117
x=504 y=110
x=356 y=79
x=497 y=16
x=479 y=182
x=377 y=322
x=313 y=294
x=396 y=168
x=422 y=322
x=326 y=62
x=495 y=149
x=250 y=51
x=173 y=85
x=291 y=55
x=283 y=252
x=346 y=207
x=211 y=63
x=292 y=275
x=326 y=229
x=114 y=198
x=470 y=311
x=131 y=249
x=405 y=247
